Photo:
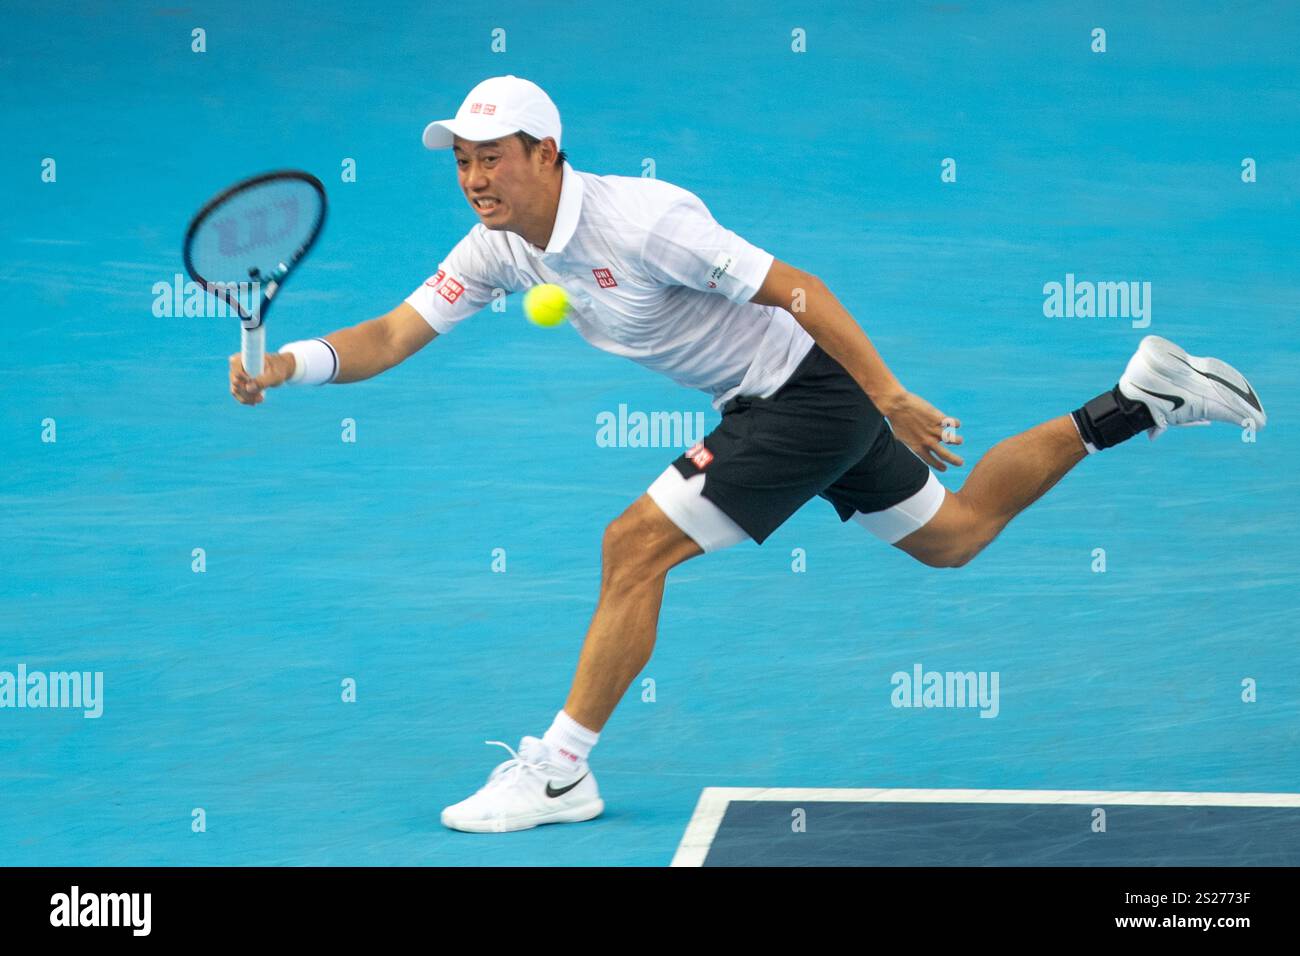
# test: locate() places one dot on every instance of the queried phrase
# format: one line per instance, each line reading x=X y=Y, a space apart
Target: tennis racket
x=242 y=245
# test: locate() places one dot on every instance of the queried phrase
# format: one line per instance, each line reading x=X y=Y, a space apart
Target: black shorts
x=818 y=434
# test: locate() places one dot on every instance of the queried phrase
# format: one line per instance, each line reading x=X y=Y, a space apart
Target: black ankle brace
x=1111 y=418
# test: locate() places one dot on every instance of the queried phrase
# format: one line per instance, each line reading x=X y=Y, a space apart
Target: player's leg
x=638 y=550
x=548 y=780
x=1163 y=386
x=1015 y=473
x=767 y=457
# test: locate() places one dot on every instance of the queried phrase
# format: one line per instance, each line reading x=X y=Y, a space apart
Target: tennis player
x=809 y=408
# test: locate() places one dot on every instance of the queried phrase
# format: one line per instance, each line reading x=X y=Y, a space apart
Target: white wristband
x=314 y=362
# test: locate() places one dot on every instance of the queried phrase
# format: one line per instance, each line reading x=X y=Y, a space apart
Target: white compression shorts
x=706 y=524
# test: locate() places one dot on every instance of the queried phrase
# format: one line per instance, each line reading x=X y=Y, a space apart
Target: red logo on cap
x=604 y=278
x=489 y=109
x=451 y=290
x=476 y=108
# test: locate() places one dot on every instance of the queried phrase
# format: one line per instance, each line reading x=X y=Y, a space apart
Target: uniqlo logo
x=720 y=267
x=451 y=290
x=489 y=109
x=433 y=280
x=700 y=456
x=476 y=108
x=604 y=278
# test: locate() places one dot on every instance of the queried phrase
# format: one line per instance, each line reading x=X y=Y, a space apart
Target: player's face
x=503 y=184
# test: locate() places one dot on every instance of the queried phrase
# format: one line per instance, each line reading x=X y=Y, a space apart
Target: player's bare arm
x=914 y=420
x=364 y=351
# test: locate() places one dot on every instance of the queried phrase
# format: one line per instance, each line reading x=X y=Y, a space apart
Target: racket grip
x=252 y=344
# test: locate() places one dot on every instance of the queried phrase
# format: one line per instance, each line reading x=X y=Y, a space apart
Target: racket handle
x=252 y=345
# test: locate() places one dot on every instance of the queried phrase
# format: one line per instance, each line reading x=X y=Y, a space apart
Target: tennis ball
x=546 y=305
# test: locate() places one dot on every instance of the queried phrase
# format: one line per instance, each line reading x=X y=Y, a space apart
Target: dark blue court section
x=759 y=833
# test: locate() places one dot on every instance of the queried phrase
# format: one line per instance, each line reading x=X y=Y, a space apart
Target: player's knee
x=617 y=539
x=969 y=537
x=944 y=558
x=963 y=552
x=956 y=552
x=962 y=557
x=629 y=549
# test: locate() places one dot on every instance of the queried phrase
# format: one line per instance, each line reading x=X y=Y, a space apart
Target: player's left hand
x=924 y=429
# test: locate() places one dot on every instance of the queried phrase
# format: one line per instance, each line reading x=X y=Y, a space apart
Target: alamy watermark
x=1103 y=300
x=82 y=690
x=922 y=688
x=624 y=429
x=130 y=910
x=182 y=298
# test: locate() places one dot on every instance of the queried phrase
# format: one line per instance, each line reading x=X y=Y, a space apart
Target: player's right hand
x=276 y=369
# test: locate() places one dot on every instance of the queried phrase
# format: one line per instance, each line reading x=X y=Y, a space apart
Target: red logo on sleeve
x=604 y=278
x=451 y=290
x=433 y=280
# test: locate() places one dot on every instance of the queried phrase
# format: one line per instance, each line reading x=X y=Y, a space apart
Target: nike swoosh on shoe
x=553 y=793
x=1249 y=395
x=1178 y=402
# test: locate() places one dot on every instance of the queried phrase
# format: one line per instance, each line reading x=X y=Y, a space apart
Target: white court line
x=704 y=824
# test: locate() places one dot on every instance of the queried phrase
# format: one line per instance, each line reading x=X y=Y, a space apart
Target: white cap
x=498 y=107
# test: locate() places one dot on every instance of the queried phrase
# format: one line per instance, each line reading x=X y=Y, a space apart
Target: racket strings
x=256 y=234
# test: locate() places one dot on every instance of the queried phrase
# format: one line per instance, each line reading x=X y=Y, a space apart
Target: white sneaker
x=1182 y=389
x=525 y=791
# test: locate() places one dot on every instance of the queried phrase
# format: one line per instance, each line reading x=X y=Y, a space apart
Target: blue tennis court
x=307 y=616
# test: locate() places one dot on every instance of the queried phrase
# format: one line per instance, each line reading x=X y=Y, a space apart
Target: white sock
x=569 y=740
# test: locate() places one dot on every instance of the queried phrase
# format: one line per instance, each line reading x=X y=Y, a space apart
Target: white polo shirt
x=650 y=275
